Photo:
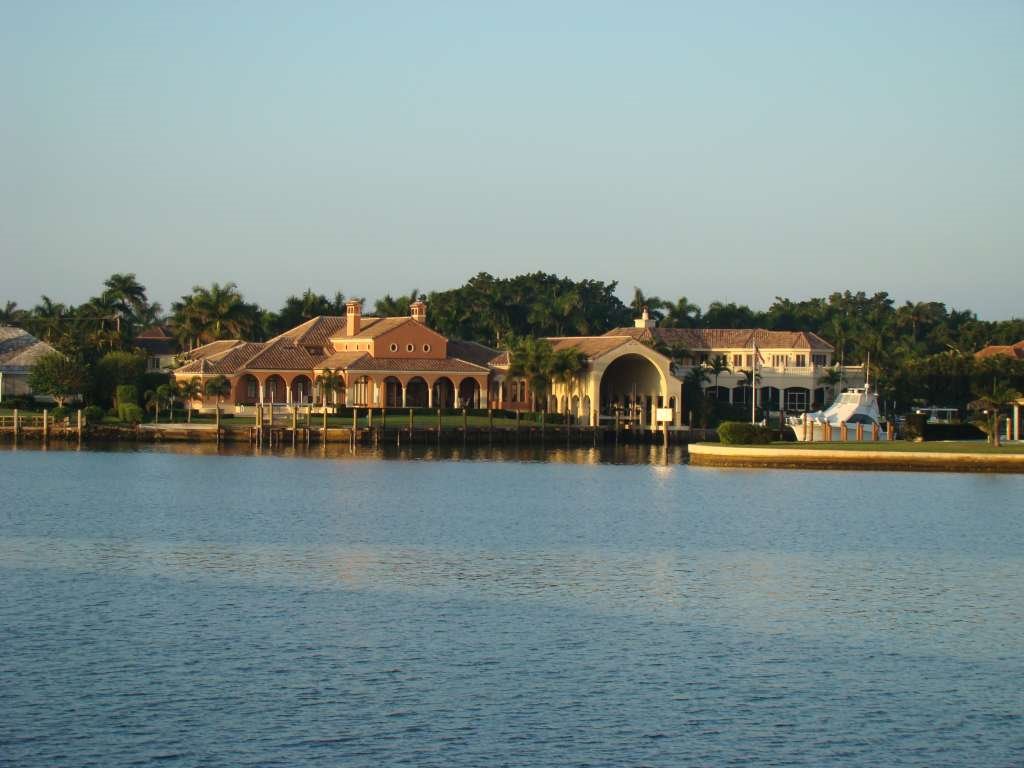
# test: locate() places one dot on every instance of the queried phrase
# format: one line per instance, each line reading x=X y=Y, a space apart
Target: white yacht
x=858 y=405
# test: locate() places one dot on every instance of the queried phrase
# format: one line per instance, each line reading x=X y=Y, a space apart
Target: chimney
x=644 y=321
x=353 y=316
x=418 y=309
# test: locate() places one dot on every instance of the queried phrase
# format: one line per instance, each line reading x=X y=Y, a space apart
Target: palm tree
x=153 y=404
x=697 y=377
x=10 y=314
x=328 y=381
x=830 y=379
x=188 y=391
x=652 y=304
x=531 y=359
x=992 y=403
x=217 y=312
x=129 y=295
x=717 y=367
x=46 y=316
x=681 y=314
x=566 y=365
x=167 y=394
x=219 y=387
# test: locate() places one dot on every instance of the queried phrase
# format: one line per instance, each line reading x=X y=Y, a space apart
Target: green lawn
x=905 y=446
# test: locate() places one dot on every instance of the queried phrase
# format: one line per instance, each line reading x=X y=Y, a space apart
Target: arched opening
x=302 y=389
x=392 y=392
x=469 y=393
x=628 y=386
x=768 y=398
x=586 y=410
x=741 y=395
x=819 y=399
x=416 y=393
x=576 y=407
x=717 y=393
x=274 y=390
x=247 y=390
x=444 y=393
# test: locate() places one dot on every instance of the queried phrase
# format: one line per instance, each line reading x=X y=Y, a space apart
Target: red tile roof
x=726 y=338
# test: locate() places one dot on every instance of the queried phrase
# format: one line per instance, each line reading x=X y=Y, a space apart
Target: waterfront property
x=790 y=364
x=400 y=362
x=160 y=347
x=19 y=351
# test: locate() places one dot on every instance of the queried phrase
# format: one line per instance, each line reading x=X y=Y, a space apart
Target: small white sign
x=663 y=415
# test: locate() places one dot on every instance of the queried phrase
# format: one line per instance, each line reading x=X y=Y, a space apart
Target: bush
x=914 y=426
x=59 y=414
x=130 y=412
x=127 y=394
x=93 y=414
x=743 y=433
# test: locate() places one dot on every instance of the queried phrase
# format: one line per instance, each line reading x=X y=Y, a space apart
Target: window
x=778 y=361
x=393 y=347
x=750 y=361
x=819 y=359
x=796 y=399
x=426 y=347
x=410 y=347
x=801 y=361
x=737 y=361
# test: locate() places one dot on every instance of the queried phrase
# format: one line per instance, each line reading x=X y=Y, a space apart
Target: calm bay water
x=527 y=609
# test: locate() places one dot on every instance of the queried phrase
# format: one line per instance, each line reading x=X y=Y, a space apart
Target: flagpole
x=753 y=387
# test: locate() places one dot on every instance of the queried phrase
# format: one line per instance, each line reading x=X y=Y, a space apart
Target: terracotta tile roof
x=470 y=351
x=227 y=362
x=416 y=364
x=283 y=354
x=591 y=346
x=500 y=360
x=316 y=332
x=19 y=350
x=213 y=348
x=155 y=332
x=371 y=327
x=726 y=338
x=1015 y=351
x=340 y=360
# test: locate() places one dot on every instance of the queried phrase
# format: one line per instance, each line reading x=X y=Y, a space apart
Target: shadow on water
x=420 y=451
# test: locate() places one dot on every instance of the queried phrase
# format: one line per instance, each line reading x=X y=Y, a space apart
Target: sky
x=731 y=151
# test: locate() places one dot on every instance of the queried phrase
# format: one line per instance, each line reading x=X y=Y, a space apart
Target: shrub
x=130 y=412
x=914 y=426
x=743 y=433
x=93 y=414
x=127 y=394
x=59 y=413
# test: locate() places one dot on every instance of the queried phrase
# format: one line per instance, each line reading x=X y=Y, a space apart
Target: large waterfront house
x=19 y=351
x=400 y=362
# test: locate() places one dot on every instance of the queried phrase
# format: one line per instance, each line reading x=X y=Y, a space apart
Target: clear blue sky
x=726 y=150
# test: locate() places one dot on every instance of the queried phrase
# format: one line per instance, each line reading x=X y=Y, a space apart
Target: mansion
x=400 y=362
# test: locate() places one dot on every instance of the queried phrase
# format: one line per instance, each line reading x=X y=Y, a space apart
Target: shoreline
x=771 y=457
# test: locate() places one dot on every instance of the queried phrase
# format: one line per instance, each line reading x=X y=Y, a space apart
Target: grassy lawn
x=904 y=446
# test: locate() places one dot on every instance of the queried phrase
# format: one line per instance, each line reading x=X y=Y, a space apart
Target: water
x=165 y=607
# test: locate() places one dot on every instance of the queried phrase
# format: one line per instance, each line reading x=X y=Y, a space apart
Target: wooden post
x=490 y=419
x=874 y=432
x=384 y=418
x=890 y=430
x=46 y=425
x=295 y=423
x=411 y=419
x=465 y=422
x=355 y=421
x=15 y=425
x=842 y=431
x=369 y=417
x=217 y=422
x=323 y=430
x=860 y=431
x=438 y=423
x=542 y=416
x=517 y=422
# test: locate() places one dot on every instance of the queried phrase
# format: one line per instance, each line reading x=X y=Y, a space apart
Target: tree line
x=920 y=351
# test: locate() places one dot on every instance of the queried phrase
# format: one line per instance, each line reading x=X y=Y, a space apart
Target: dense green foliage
x=920 y=351
x=58 y=376
x=743 y=433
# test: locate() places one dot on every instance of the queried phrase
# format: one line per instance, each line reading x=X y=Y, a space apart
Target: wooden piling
x=46 y=425
x=16 y=425
x=842 y=431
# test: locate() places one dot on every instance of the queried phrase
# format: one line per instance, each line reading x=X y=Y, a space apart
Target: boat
x=857 y=405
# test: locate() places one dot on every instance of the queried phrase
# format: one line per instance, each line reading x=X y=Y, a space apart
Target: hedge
x=743 y=433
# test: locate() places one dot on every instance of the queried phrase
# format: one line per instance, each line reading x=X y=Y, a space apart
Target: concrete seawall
x=713 y=455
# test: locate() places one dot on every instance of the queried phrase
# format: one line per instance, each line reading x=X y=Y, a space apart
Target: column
x=430 y=394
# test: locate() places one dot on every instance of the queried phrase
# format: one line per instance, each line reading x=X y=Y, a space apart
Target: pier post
x=79 y=425
x=46 y=425
x=217 y=423
x=15 y=425
x=875 y=430
x=842 y=431
x=369 y=417
x=465 y=423
x=890 y=430
x=295 y=423
x=860 y=431
x=438 y=423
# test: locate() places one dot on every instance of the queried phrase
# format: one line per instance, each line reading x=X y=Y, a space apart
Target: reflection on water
x=507 y=606
x=551 y=451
